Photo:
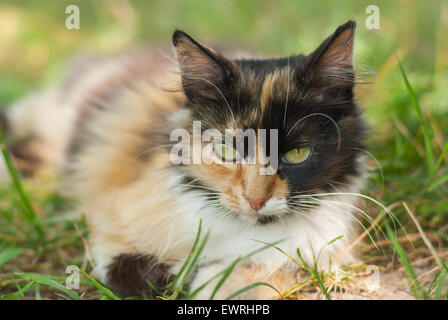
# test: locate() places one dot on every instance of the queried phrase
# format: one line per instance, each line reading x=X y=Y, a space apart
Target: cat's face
x=307 y=99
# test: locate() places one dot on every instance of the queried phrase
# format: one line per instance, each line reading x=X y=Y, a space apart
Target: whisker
x=378 y=165
x=287 y=96
x=225 y=100
x=323 y=115
x=328 y=202
x=197 y=186
x=389 y=213
x=144 y=152
x=362 y=212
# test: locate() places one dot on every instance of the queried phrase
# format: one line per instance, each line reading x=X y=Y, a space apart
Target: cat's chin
x=256 y=218
x=259 y=219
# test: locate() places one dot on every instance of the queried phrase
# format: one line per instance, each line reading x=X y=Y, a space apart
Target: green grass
x=406 y=106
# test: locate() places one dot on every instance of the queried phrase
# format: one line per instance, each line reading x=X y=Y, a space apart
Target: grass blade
x=307 y=268
x=441 y=157
x=29 y=214
x=181 y=271
x=225 y=272
x=441 y=284
x=9 y=254
x=106 y=291
x=425 y=238
x=191 y=265
x=256 y=284
x=426 y=137
x=154 y=288
x=412 y=278
x=19 y=293
x=45 y=280
x=314 y=272
x=438 y=182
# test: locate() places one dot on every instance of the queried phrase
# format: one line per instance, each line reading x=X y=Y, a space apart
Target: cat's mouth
x=256 y=218
x=261 y=219
x=271 y=211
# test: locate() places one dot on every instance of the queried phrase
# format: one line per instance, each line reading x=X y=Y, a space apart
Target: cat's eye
x=296 y=156
x=226 y=152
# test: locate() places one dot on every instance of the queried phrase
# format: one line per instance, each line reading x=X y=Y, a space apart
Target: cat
x=107 y=130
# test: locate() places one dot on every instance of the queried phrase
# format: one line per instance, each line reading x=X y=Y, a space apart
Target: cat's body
x=107 y=129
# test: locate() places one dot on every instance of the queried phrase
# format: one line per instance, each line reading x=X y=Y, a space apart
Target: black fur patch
x=27 y=161
x=309 y=99
x=266 y=219
x=129 y=274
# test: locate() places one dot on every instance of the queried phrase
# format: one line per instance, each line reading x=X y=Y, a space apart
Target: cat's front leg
x=243 y=275
x=129 y=274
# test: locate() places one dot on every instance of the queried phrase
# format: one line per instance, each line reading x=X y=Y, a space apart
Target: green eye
x=296 y=156
x=226 y=152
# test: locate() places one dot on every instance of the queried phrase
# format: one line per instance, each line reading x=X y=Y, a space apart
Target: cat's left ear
x=205 y=73
x=330 y=66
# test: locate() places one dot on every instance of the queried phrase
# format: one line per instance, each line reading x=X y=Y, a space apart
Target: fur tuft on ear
x=203 y=70
x=331 y=64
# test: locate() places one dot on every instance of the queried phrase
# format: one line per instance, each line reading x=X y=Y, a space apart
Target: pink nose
x=256 y=203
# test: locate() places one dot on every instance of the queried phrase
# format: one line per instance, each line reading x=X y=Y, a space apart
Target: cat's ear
x=330 y=66
x=204 y=72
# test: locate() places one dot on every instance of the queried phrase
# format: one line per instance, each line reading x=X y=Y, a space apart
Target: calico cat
x=107 y=129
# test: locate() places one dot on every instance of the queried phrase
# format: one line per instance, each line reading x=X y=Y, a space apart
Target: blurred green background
x=34 y=42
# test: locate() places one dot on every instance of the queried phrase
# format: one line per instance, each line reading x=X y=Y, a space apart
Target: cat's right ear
x=205 y=73
x=330 y=66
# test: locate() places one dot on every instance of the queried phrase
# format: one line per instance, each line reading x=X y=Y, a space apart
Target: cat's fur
x=107 y=130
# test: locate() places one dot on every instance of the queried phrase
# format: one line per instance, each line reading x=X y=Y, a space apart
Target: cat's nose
x=256 y=203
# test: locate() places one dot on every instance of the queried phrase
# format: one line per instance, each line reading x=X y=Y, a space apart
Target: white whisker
x=323 y=115
x=287 y=96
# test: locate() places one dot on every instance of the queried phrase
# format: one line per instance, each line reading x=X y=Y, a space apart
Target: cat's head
x=309 y=100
